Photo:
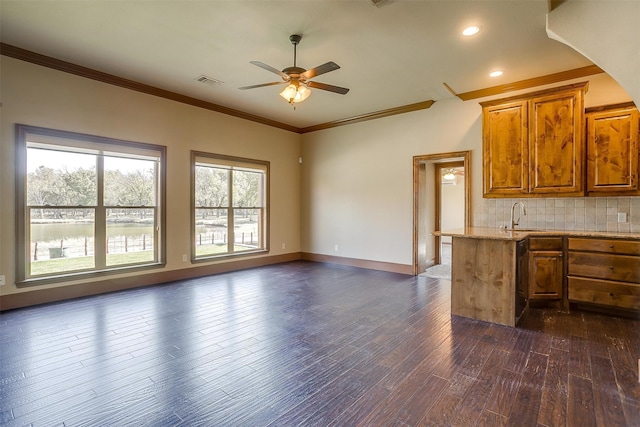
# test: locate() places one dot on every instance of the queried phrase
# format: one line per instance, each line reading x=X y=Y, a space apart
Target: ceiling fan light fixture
x=449 y=175
x=295 y=93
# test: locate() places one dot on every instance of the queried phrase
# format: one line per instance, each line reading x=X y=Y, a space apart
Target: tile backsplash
x=568 y=213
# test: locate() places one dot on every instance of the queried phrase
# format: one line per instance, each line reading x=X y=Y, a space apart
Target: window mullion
x=230 y=214
x=99 y=243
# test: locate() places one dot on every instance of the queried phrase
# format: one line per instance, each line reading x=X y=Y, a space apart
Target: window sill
x=70 y=277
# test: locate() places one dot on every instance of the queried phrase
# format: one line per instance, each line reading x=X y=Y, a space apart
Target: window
x=229 y=206
x=86 y=204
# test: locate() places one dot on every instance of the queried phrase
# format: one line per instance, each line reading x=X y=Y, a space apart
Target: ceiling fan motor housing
x=295 y=38
x=294 y=72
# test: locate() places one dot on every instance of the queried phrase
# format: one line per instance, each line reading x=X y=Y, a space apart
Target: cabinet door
x=504 y=133
x=545 y=275
x=612 y=152
x=556 y=152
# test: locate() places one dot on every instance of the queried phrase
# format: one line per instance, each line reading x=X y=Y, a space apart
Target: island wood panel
x=483 y=279
x=556 y=149
x=604 y=292
x=612 y=152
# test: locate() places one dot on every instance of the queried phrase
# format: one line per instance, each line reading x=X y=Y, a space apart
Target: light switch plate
x=622 y=217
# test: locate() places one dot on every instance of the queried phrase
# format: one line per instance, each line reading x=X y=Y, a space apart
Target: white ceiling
x=390 y=56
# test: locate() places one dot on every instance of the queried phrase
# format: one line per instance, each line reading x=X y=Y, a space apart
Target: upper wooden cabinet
x=612 y=151
x=504 y=134
x=533 y=144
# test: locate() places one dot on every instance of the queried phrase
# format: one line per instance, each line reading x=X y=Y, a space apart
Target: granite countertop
x=501 y=234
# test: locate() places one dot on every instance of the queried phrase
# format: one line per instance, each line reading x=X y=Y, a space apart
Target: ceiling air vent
x=209 y=80
x=380 y=3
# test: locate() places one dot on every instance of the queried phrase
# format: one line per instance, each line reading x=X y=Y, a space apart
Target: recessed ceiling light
x=469 y=31
x=496 y=73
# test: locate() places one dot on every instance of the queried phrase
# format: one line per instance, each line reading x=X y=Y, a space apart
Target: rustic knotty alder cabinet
x=533 y=145
x=484 y=276
x=604 y=272
x=545 y=268
x=612 y=151
x=505 y=149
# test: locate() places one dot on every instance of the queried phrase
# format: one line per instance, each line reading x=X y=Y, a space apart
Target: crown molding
x=575 y=73
x=370 y=116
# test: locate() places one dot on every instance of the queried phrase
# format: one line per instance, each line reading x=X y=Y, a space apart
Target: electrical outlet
x=2 y=280
x=335 y=248
x=284 y=246
x=622 y=217
x=184 y=257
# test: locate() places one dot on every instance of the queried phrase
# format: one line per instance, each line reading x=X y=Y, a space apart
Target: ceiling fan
x=298 y=78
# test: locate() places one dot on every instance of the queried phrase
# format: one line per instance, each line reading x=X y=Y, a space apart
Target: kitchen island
x=490 y=273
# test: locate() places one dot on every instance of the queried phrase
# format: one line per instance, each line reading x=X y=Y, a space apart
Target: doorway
x=449 y=206
x=427 y=210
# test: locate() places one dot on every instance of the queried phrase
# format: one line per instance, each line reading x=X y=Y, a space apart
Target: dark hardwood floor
x=310 y=344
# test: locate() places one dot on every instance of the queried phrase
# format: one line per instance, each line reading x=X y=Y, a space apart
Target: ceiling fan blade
x=330 y=88
x=270 y=68
x=320 y=69
x=261 y=85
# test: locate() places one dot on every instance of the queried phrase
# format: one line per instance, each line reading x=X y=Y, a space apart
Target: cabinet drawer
x=604 y=266
x=545 y=243
x=627 y=247
x=603 y=292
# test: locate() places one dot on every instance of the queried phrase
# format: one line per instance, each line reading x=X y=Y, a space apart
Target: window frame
x=230 y=162
x=22 y=243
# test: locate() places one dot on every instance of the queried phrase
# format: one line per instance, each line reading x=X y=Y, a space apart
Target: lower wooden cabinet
x=545 y=268
x=604 y=272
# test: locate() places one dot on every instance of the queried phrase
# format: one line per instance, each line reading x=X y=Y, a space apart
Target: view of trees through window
x=67 y=210
x=229 y=211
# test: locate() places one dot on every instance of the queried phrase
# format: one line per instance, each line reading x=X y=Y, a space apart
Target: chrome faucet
x=523 y=211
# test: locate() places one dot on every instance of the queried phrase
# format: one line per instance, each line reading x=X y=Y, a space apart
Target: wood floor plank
x=503 y=394
x=442 y=412
x=306 y=343
x=526 y=406
x=555 y=392
x=580 y=406
x=479 y=392
x=579 y=363
x=608 y=406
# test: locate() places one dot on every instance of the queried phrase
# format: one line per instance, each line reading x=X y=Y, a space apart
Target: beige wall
x=358 y=182
x=39 y=96
x=357 y=179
